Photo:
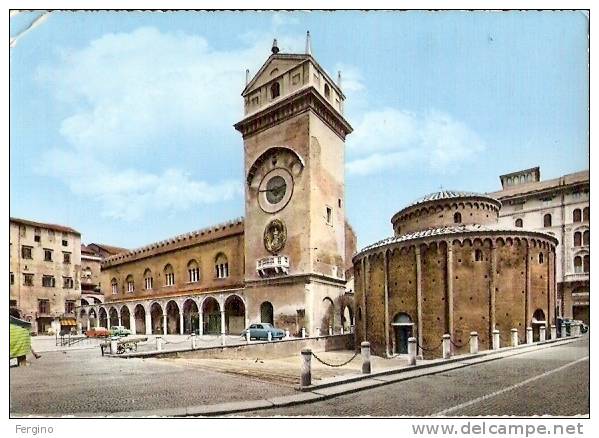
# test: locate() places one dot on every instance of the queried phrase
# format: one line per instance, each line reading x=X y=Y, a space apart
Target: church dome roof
x=445 y=194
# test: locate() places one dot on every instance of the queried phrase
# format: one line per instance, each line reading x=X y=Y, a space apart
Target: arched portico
x=347 y=318
x=139 y=318
x=234 y=315
x=328 y=316
x=173 y=322
x=191 y=316
x=103 y=316
x=156 y=315
x=211 y=316
x=114 y=317
x=126 y=317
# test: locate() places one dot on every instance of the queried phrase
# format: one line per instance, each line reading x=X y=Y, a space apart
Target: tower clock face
x=275 y=190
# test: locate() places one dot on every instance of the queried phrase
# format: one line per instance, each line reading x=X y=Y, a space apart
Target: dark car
x=583 y=327
x=261 y=330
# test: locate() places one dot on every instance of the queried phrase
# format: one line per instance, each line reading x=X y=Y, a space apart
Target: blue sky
x=121 y=123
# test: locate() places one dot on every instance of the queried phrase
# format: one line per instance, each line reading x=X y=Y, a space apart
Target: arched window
x=221 y=266
x=193 y=271
x=169 y=275
x=547 y=220
x=577 y=264
x=577 y=216
x=457 y=218
x=327 y=91
x=115 y=286
x=586 y=214
x=478 y=255
x=587 y=263
x=275 y=90
x=577 y=239
x=148 y=279
x=130 y=284
x=541 y=258
x=586 y=238
x=519 y=223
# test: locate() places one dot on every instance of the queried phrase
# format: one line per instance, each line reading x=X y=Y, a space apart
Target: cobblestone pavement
x=561 y=393
x=81 y=381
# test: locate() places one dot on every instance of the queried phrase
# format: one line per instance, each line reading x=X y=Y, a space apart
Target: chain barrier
x=456 y=345
x=179 y=342
x=428 y=349
x=334 y=365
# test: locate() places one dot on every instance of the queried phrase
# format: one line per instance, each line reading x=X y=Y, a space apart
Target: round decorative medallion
x=275 y=190
x=275 y=236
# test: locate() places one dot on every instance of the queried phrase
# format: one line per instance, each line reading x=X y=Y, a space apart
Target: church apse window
x=519 y=223
x=478 y=255
x=327 y=91
x=541 y=258
x=457 y=218
x=547 y=220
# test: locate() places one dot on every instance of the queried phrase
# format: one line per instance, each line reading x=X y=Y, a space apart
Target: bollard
x=496 y=339
x=575 y=329
x=446 y=346
x=269 y=337
x=306 y=370
x=318 y=332
x=159 y=343
x=351 y=328
x=542 y=333
x=248 y=336
x=223 y=339
x=193 y=341
x=365 y=351
x=330 y=331
x=341 y=332
x=303 y=332
x=514 y=337
x=564 y=332
x=411 y=351
x=113 y=344
x=286 y=334
x=529 y=335
x=473 y=343
x=553 y=332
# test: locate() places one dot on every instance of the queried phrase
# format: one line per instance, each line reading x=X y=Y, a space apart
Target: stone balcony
x=274 y=265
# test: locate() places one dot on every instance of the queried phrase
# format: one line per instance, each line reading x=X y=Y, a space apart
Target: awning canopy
x=68 y=321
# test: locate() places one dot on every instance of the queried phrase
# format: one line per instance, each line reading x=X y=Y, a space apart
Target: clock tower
x=294 y=149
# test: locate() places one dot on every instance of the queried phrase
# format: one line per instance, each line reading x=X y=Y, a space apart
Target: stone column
x=87 y=324
x=564 y=330
x=201 y=321
x=113 y=344
x=97 y=321
x=193 y=341
x=492 y=317
x=419 y=296
x=148 y=323
x=514 y=337
x=365 y=352
x=527 y=316
x=306 y=369
x=412 y=351
x=158 y=343
x=164 y=323
x=446 y=346
x=364 y=291
x=303 y=332
x=542 y=333
x=496 y=339
x=223 y=326
x=473 y=343
x=330 y=331
x=118 y=315
x=449 y=289
x=181 y=323
x=529 y=335
x=386 y=282
x=132 y=324
x=317 y=332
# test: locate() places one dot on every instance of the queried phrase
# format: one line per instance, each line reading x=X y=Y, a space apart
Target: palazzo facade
x=286 y=261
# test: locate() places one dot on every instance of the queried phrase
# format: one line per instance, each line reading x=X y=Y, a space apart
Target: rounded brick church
x=450 y=268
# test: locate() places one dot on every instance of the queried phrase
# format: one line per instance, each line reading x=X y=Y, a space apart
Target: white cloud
x=131 y=97
x=391 y=138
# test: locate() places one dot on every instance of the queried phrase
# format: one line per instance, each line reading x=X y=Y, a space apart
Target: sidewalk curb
x=350 y=385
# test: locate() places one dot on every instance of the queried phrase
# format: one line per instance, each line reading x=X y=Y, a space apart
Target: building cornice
x=305 y=99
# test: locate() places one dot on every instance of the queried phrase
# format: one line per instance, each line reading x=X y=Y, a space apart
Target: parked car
x=583 y=327
x=97 y=332
x=261 y=330
x=119 y=330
